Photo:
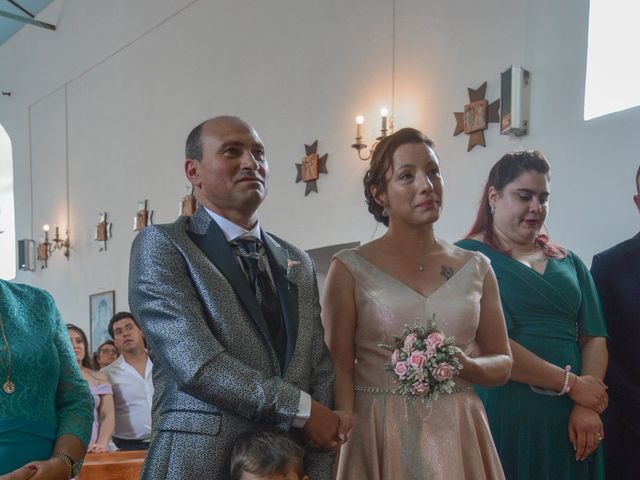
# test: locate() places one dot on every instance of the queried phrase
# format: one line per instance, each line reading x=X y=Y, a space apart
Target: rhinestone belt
x=358 y=388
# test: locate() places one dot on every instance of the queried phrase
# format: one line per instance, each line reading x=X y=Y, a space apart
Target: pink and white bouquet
x=423 y=362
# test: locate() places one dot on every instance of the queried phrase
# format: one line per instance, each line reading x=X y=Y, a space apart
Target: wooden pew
x=113 y=465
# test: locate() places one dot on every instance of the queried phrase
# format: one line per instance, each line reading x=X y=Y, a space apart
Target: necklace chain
x=8 y=386
x=421 y=264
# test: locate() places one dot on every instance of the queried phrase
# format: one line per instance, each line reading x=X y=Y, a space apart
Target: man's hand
x=321 y=430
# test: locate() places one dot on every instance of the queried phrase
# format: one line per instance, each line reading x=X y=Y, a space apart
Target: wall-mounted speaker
x=514 y=101
x=27 y=255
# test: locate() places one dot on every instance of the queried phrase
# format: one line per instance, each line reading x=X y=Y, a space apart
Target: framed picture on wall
x=101 y=309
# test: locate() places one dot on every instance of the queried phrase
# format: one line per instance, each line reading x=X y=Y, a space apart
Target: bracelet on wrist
x=566 y=387
x=68 y=462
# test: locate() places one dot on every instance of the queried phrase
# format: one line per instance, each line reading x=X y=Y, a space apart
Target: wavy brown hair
x=382 y=162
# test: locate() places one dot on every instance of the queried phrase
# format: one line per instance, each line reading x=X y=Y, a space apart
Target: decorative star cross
x=311 y=167
x=476 y=116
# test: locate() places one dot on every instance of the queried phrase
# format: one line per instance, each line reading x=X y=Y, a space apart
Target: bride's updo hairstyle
x=382 y=162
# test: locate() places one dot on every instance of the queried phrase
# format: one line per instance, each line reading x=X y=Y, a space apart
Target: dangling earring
x=493 y=210
x=385 y=213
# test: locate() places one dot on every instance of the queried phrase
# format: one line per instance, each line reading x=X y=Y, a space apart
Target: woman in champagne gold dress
x=407 y=276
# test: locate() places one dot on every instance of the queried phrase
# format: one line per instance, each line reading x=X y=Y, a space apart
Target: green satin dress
x=544 y=313
x=51 y=397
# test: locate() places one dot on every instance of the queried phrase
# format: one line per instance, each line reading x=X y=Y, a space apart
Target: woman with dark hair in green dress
x=546 y=420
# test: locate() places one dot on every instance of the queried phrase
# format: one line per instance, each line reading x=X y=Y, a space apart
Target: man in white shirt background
x=130 y=377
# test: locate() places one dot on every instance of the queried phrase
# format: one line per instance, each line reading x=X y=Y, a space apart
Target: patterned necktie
x=254 y=262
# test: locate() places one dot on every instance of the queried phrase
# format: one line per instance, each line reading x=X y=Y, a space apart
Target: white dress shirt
x=132 y=396
x=232 y=232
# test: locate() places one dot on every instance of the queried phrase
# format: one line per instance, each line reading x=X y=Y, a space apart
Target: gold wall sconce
x=188 y=204
x=103 y=231
x=143 y=216
x=46 y=247
x=386 y=128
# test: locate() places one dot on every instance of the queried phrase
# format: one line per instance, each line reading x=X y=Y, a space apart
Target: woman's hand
x=22 y=473
x=346 y=422
x=590 y=392
x=52 y=469
x=585 y=431
x=97 y=448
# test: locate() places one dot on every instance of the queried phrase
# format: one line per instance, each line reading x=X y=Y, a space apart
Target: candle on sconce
x=384 y=113
x=45 y=227
x=57 y=228
x=359 y=122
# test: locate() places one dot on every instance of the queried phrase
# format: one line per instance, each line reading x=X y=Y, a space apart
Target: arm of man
x=162 y=296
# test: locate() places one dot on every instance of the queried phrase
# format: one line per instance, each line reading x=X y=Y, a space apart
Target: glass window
x=613 y=72
x=7 y=216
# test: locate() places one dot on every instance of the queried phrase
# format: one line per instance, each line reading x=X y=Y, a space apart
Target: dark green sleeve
x=591 y=319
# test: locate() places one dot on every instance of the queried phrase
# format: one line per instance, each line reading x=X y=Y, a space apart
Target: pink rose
x=395 y=356
x=417 y=359
x=444 y=371
x=409 y=342
x=435 y=339
x=419 y=388
x=401 y=369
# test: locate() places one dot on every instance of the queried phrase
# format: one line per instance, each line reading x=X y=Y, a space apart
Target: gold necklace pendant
x=9 y=387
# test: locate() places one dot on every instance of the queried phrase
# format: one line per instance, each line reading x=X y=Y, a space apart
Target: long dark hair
x=381 y=162
x=85 y=362
x=505 y=171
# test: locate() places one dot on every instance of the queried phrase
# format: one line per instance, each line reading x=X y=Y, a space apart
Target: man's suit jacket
x=215 y=372
x=616 y=272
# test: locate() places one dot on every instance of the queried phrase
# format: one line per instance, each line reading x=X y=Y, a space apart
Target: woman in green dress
x=546 y=420
x=46 y=408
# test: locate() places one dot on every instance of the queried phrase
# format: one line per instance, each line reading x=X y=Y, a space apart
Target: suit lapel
x=287 y=291
x=215 y=246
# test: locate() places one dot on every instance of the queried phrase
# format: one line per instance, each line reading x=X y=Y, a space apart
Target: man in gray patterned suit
x=233 y=348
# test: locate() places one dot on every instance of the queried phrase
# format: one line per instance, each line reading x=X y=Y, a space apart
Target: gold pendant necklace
x=8 y=386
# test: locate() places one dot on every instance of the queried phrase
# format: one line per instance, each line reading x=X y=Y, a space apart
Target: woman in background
x=407 y=276
x=546 y=420
x=45 y=404
x=104 y=415
x=106 y=354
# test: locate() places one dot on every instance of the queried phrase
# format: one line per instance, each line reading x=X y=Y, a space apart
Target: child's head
x=267 y=455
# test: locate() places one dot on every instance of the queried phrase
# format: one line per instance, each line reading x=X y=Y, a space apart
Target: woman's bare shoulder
x=455 y=253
